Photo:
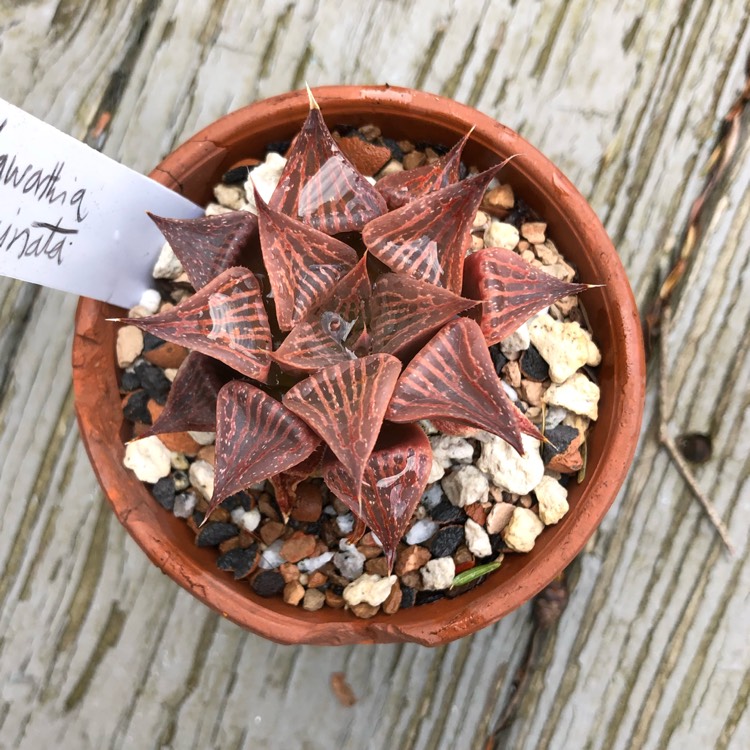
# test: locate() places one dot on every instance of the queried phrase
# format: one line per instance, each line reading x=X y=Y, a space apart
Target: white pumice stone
x=271 y=557
x=507 y=469
x=230 y=196
x=433 y=494
x=168 y=265
x=565 y=346
x=350 y=561
x=148 y=458
x=151 y=301
x=438 y=574
x=477 y=539
x=128 y=346
x=518 y=341
x=202 y=477
x=509 y=390
x=345 y=523
x=250 y=519
x=553 y=500
x=523 y=529
x=216 y=209
x=554 y=417
x=203 y=438
x=310 y=564
x=577 y=394
x=421 y=531
x=449 y=449
x=437 y=472
x=184 y=504
x=499 y=517
x=265 y=177
x=466 y=485
x=368 y=588
x=500 y=234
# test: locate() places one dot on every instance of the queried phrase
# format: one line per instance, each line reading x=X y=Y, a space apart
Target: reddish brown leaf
x=511 y=290
x=256 y=438
x=321 y=187
x=461 y=429
x=453 y=378
x=394 y=479
x=345 y=404
x=400 y=188
x=225 y=320
x=406 y=312
x=191 y=404
x=285 y=484
x=331 y=331
x=210 y=244
x=302 y=263
x=428 y=238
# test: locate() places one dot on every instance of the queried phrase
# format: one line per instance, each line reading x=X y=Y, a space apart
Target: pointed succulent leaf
x=406 y=312
x=302 y=263
x=191 y=404
x=453 y=378
x=208 y=245
x=461 y=429
x=400 y=188
x=428 y=238
x=321 y=187
x=331 y=331
x=285 y=484
x=345 y=404
x=225 y=320
x=511 y=290
x=392 y=486
x=256 y=438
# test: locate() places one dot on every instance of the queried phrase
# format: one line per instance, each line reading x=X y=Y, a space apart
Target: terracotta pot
x=193 y=169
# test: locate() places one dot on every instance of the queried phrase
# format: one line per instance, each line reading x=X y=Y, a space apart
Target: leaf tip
x=311 y=98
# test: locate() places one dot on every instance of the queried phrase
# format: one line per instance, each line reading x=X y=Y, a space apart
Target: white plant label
x=74 y=219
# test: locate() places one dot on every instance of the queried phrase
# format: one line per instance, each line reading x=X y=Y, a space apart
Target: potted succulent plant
x=340 y=344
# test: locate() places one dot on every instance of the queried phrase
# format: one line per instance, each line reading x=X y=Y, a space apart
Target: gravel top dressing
x=483 y=499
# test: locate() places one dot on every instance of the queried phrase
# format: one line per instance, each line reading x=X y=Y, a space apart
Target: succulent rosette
x=324 y=328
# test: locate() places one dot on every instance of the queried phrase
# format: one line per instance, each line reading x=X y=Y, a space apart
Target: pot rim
x=96 y=391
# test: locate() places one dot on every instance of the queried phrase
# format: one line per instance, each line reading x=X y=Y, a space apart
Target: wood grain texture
x=99 y=650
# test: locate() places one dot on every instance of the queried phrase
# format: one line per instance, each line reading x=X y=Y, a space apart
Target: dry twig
x=657 y=321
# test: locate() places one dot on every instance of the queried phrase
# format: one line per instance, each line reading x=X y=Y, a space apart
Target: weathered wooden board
x=99 y=650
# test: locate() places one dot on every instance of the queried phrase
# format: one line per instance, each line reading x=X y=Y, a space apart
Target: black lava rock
x=497 y=544
x=268 y=583
x=396 y=152
x=559 y=439
x=279 y=147
x=408 y=596
x=446 y=512
x=151 y=342
x=129 y=381
x=533 y=365
x=213 y=534
x=236 y=176
x=447 y=541
x=238 y=560
x=239 y=499
x=136 y=408
x=164 y=492
x=426 y=597
x=498 y=358
x=154 y=381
